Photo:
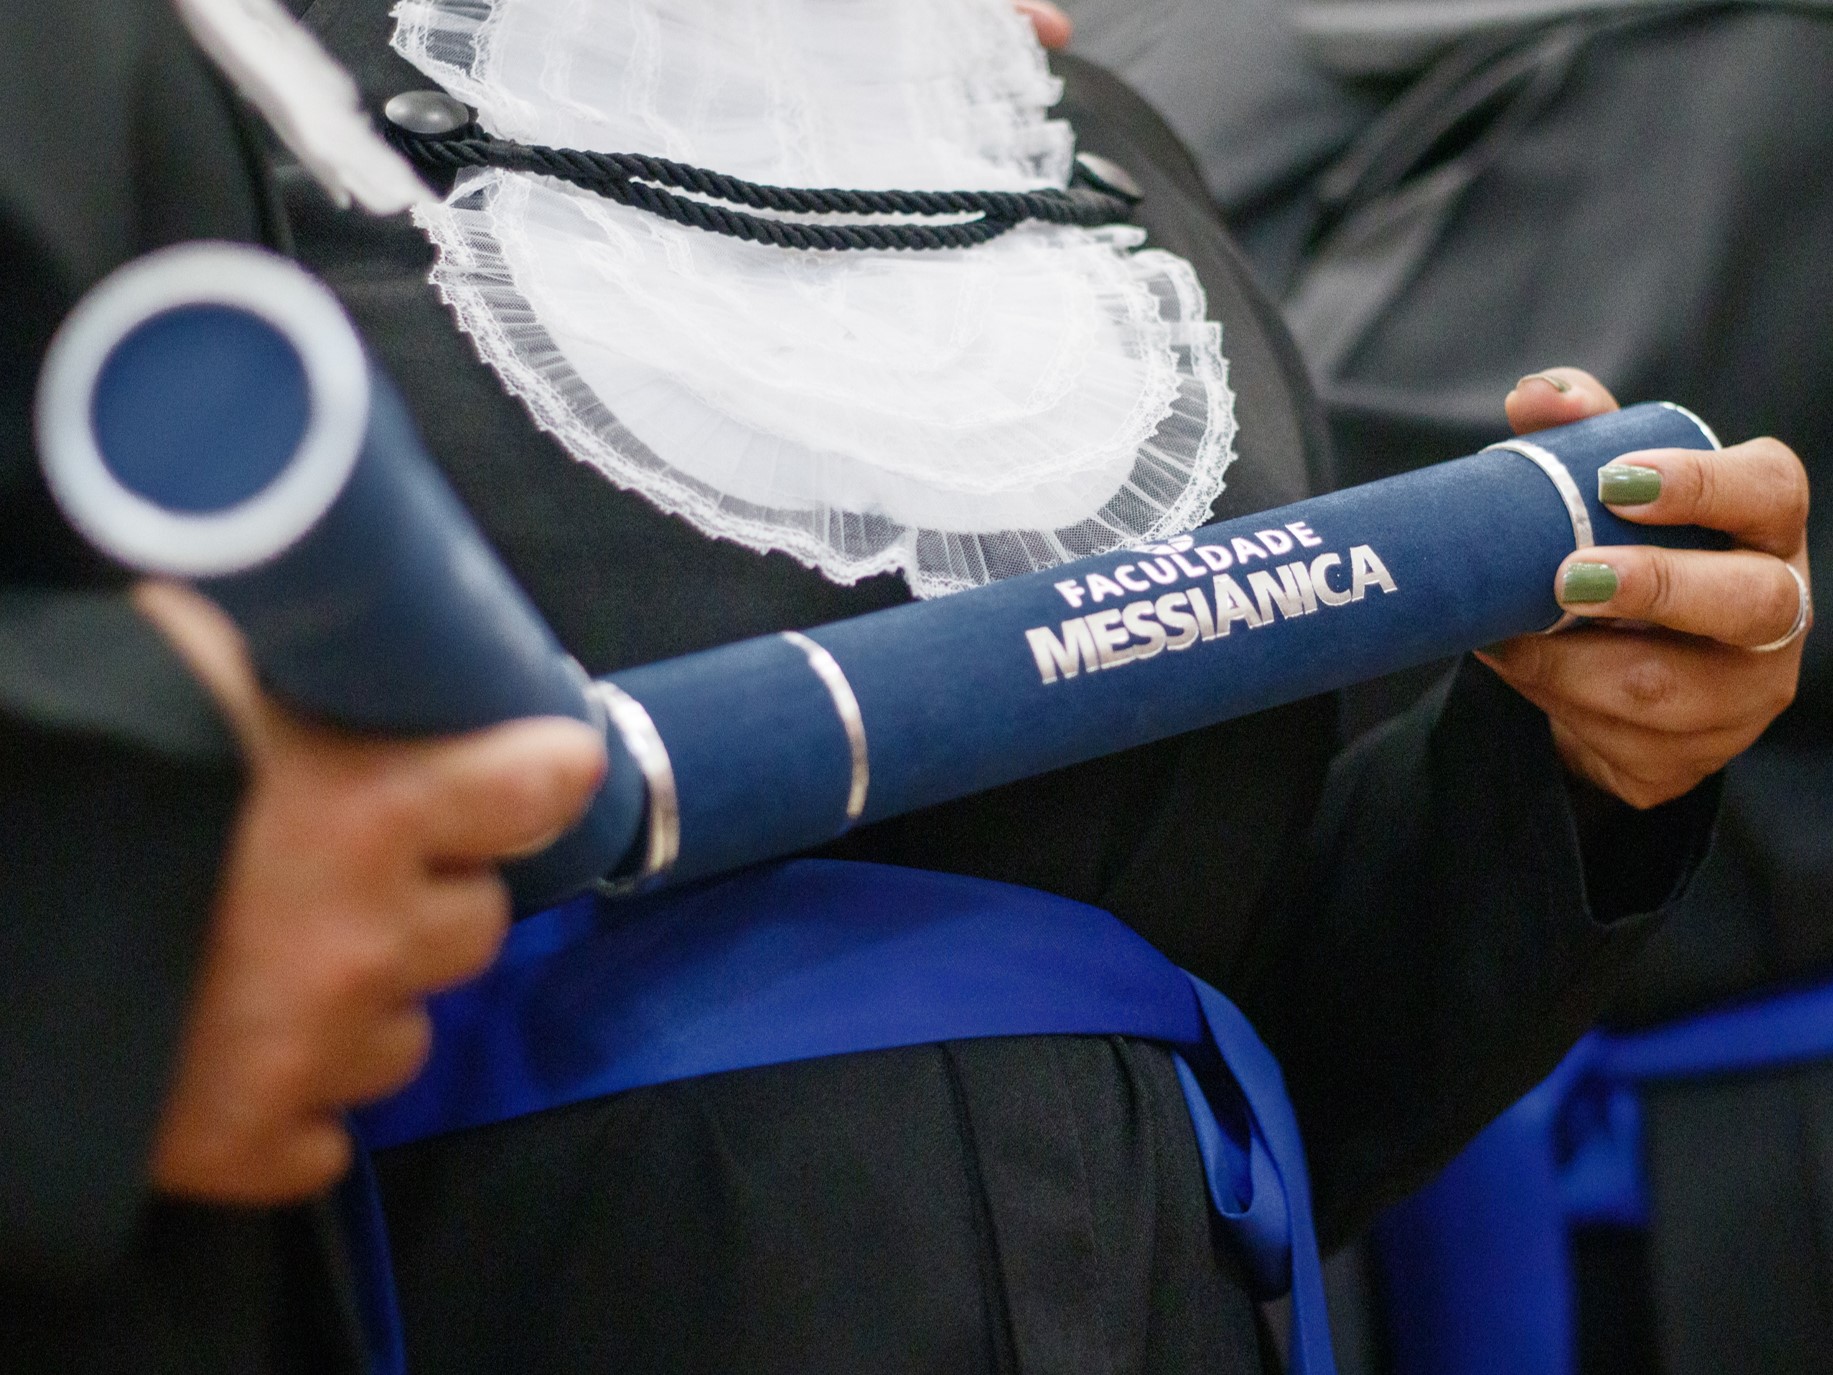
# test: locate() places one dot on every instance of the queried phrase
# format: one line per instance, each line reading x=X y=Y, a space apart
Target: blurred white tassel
x=310 y=101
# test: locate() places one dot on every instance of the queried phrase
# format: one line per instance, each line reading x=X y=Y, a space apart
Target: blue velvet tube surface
x=393 y=615
x=967 y=692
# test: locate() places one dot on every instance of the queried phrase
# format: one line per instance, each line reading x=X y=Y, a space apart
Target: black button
x=431 y=114
x=1104 y=174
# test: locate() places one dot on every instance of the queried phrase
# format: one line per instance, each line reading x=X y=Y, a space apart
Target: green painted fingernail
x=1588 y=583
x=1626 y=484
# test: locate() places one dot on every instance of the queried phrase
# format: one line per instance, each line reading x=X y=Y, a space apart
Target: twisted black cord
x=637 y=180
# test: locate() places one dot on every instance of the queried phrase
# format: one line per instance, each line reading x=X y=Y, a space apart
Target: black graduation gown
x=118 y=782
x=1693 y=266
x=1407 y=923
x=1684 y=255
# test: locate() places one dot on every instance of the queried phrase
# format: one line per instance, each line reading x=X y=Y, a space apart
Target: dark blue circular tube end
x=201 y=407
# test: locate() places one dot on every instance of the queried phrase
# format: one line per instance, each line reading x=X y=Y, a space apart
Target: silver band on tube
x=1705 y=430
x=663 y=845
x=846 y=707
x=1576 y=510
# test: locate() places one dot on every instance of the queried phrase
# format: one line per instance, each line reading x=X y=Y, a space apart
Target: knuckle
x=1780 y=694
x=466 y=941
x=533 y=798
x=1524 y=663
x=1793 y=495
x=1647 y=795
x=283 y=1079
x=416 y=1044
x=321 y=1153
x=481 y=932
x=366 y=826
x=396 y=1051
x=1780 y=600
x=1655 y=586
x=1765 y=488
x=1635 y=782
x=366 y=965
x=384 y=789
x=395 y=804
x=1649 y=682
x=1781 y=481
x=483 y=906
x=1700 y=485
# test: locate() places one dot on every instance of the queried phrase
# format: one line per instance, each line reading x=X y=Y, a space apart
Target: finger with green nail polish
x=1586 y=584
x=1628 y=484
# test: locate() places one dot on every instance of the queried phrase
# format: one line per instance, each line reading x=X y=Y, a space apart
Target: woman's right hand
x=361 y=877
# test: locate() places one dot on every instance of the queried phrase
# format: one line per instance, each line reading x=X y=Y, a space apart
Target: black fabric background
x=1666 y=222
x=118 y=783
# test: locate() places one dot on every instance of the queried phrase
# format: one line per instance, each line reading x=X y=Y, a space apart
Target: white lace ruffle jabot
x=958 y=416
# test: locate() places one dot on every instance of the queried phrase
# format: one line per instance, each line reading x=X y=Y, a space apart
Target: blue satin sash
x=1477 y=1265
x=813 y=958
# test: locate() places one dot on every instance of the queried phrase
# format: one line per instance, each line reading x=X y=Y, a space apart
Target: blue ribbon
x=814 y=958
x=1477 y=1264
x=359 y=1208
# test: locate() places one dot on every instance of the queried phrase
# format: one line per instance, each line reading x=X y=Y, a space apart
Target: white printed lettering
x=1365 y=570
x=1160 y=571
x=1206 y=620
x=1110 y=637
x=1270 y=592
x=1138 y=618
x=1191 y=570
x=1320 y=580
x=1101 y=588
x=1232 y=605
x=1066 y=657
x=1298 y=583
x=1181 y=624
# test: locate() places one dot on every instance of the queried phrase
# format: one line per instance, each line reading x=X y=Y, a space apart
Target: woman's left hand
x=1648 y=710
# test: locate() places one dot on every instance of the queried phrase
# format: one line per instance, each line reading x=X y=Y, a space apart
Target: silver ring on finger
x=1803 y=612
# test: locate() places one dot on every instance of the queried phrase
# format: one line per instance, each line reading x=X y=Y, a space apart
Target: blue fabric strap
x=359 y=1207
x=814 y=958
x=1784 y=1029
x=1274 y=1122
x=1478 y=1264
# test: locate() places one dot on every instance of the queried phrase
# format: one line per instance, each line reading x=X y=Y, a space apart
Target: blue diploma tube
x=209 y=413
x=774 y=745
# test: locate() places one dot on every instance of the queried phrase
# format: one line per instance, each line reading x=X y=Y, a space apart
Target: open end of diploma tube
x=209 y=412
